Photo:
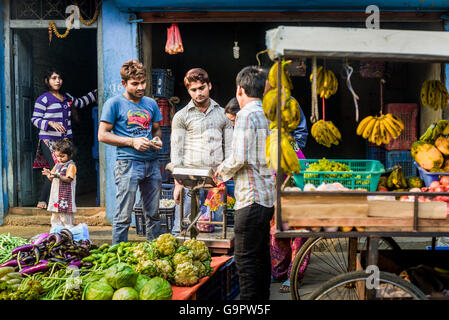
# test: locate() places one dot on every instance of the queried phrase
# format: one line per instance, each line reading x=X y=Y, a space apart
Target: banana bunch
x=381 y=129
x=285 y=78
x=290 y=113
x=434 y=95
x=326 y=82
x=435 y=130
x=326 y=133
x=289 y=159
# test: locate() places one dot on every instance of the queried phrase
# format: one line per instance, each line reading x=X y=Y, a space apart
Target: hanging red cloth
x=174 y=41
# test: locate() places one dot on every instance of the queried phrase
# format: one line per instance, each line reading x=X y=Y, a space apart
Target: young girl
x=52 y=116
x=63 y=183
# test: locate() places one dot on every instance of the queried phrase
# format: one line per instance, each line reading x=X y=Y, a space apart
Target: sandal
x=285 y=287
x=42 y=205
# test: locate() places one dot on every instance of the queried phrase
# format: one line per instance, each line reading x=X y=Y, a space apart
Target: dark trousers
x=45 y=192
x=252 y=251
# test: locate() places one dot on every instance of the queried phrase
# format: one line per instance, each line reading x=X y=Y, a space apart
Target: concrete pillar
x=119 y=45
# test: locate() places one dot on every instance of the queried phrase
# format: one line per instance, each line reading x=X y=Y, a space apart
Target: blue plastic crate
x=166 y=133
x=375 y=153
x=402 y=158
x=163 y=83
x=222 y=285
x=427 y=176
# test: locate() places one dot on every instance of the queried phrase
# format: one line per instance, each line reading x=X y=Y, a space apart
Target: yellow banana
x=374 y=132
x=369 y=128
x=396 y=120
x=362 y=125
x=391 y=129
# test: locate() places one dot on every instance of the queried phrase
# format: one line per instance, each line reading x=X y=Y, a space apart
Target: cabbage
x=99 y=290
x=141 y=281
x=156 y=289
x=121 y=275
x=126 y=293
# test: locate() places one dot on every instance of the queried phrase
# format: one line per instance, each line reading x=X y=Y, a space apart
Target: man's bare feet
x=42 y=205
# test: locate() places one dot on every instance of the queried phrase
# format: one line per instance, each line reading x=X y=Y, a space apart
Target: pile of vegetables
x=54 y=267
x=55 y=248
x=121 y=282
x=327 y=165
x=7 y=244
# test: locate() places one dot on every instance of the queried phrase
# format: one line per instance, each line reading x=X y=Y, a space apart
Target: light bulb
x=236 y=50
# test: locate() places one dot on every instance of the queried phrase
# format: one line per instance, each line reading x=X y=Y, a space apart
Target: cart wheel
x=324 y=258
x=353 y=286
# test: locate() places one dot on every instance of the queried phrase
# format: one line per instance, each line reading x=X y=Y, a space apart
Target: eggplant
x=40 y=239
x=76 y=263
x=24 y=248
x=28 y=260
x=43 y=265
x=67 y=233
x=53 y=259
x=11 y=263
x=37 y=254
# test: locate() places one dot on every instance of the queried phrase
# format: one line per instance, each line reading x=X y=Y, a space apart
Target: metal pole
x=352 y=254
x=279 y=173
x=373 y=255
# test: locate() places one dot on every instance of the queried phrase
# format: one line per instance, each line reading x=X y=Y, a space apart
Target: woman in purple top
x=52 y=116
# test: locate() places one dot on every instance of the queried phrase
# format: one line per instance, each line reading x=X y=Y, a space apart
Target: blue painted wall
x=288 y=5
x=3 y=148
x=119 y=45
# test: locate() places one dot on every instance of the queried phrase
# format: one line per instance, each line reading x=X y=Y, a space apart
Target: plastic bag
x=205 y=217
x=80 y=231
x=174 y=41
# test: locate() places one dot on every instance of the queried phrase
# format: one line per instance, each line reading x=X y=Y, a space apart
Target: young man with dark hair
x=130 y=122
x=254 y=187
x=201 y=136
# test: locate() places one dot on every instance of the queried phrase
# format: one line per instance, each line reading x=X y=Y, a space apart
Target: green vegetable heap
x=327 y=165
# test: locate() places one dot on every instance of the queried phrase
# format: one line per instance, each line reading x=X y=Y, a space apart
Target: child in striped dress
x=63 y=178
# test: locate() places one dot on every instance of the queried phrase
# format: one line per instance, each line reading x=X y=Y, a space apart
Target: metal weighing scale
x=195 y=179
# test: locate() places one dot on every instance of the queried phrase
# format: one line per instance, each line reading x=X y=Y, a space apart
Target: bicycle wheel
x=327 y=258
x=353 y=286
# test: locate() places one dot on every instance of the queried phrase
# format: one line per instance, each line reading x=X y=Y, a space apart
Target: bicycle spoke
x=335 y=259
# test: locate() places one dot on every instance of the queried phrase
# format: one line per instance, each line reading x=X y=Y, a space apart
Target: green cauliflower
x=183 y=254
x=166 y=244
x=204 y=268
x=186 y=274
x=147 y=267
x=199 y=249
x=164 y=268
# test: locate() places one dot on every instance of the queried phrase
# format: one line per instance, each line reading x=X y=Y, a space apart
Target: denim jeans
x=129 y=175
x=217 y=215
x=252 y=251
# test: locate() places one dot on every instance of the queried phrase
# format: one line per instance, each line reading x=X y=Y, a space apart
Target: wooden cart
x=349 y=262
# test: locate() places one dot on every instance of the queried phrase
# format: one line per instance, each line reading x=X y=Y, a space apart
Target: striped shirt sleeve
x=89 y=98
x=40 y=107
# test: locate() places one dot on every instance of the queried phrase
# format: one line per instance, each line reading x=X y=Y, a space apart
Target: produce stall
x=337 y=203
x=56 y=267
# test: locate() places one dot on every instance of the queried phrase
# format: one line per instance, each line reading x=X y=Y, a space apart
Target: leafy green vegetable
x=157 y=289
x=327 y=165
x=99 y=290
x=141 y=281
x=126 y=293
x=121 y=275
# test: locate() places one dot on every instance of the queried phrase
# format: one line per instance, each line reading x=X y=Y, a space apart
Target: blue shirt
x=132 y=120
x=300 y=133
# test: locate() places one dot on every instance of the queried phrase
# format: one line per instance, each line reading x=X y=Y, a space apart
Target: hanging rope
x=348 y=69
x=381 y=83
x=257 y=56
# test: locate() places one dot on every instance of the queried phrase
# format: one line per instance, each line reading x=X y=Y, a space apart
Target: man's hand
x=177 y=193
x=156 y=143
x=141 y=144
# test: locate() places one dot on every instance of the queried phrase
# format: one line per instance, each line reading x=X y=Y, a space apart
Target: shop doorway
x=76 y=58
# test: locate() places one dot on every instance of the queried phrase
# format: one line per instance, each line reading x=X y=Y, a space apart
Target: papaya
x=445 y=167
x=442 y=144
x=426 y=155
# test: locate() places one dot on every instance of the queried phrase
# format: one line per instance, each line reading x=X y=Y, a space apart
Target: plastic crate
x=402 y=158
x=374 y=152
x=222 y=285
x=163 y=83
x=427 y=176
x=165 y=174
x=164 y=108
x=365 y=174
x=167 y=215
x=140 y=220
x=408 y=113
x=165 y=150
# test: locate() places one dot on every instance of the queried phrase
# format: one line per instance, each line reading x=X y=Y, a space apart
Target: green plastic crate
x=365 y=174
